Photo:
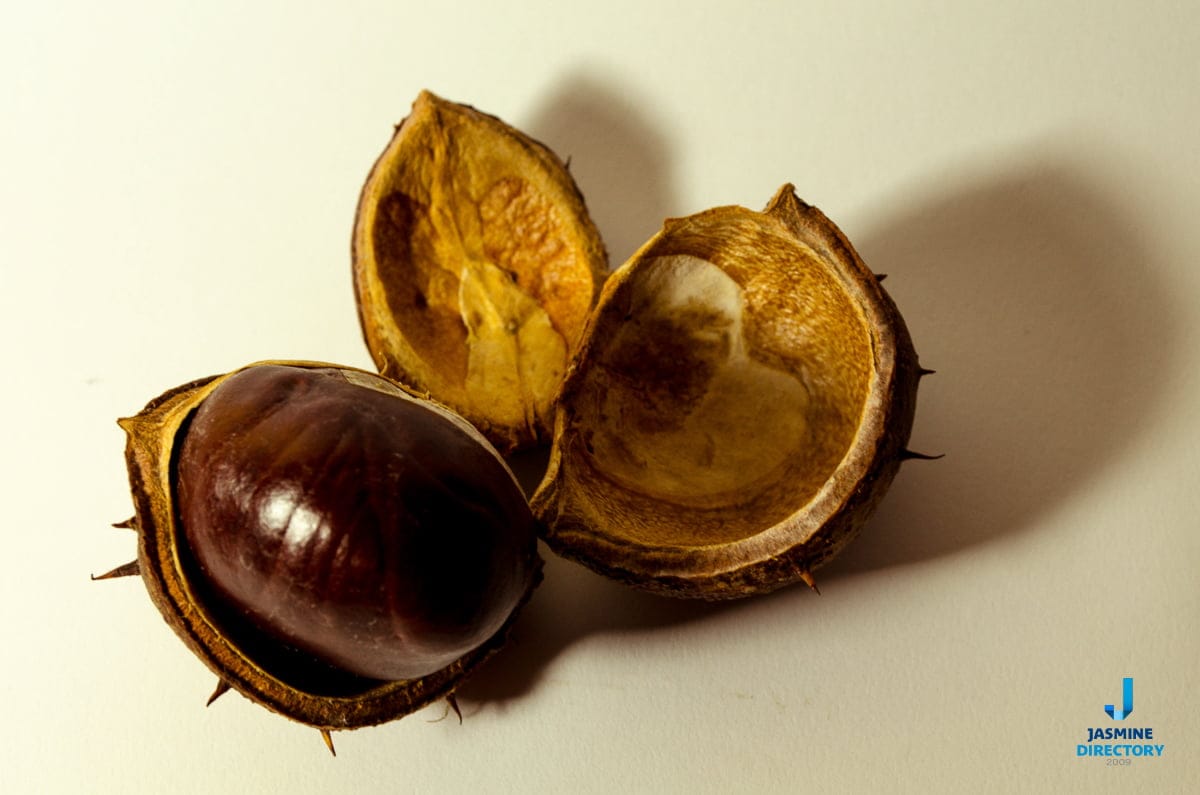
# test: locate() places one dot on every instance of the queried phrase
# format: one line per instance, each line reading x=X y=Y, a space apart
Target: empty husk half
x=740 y=403
x=475 y=267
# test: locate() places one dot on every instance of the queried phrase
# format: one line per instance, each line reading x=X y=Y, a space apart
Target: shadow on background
x=620 y=161
x=1028 y=289
x=1041 y=308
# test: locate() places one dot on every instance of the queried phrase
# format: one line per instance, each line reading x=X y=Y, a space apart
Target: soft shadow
x=571 y=604
x=620 y=161
x=1043 y=312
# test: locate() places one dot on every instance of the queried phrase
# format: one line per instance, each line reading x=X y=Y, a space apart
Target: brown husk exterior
x=152 y=436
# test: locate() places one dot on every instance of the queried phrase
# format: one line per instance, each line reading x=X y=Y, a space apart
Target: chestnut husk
x=475 y=265
x=283 y=679
x=613 y=498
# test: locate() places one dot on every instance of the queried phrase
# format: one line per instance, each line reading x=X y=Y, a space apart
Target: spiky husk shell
x=593 y=525
x=475 y=266
x=152 y=438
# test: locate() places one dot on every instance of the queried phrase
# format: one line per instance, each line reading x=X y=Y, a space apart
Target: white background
x=177 y=185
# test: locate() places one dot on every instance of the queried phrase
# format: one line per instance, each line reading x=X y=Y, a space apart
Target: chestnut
x=334 y=547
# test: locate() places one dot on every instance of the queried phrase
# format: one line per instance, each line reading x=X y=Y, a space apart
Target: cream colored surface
x=179 y=182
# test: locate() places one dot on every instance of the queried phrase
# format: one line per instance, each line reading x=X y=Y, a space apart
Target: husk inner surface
x=725 y=385
x=481 y=280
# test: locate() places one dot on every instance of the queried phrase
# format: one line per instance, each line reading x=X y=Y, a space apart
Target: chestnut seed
x=363 y=529
x=333 y=547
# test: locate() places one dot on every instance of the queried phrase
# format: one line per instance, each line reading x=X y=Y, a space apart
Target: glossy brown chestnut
x=334 y=547
x=346 y=523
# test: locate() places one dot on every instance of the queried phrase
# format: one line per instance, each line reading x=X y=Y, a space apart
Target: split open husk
x=475 y=267
x=282 y=679
x=740 y=403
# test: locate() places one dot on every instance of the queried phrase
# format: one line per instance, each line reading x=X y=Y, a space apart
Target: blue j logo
x=1122 y=714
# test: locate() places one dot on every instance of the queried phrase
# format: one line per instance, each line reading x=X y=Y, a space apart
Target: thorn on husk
x=222 y=689
x=924 y=371
x=907 y=455
x=807 y=577
x=880 y=277
x=328 y=738
x=127 y=570
x=453 y=702
x=128 y=524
